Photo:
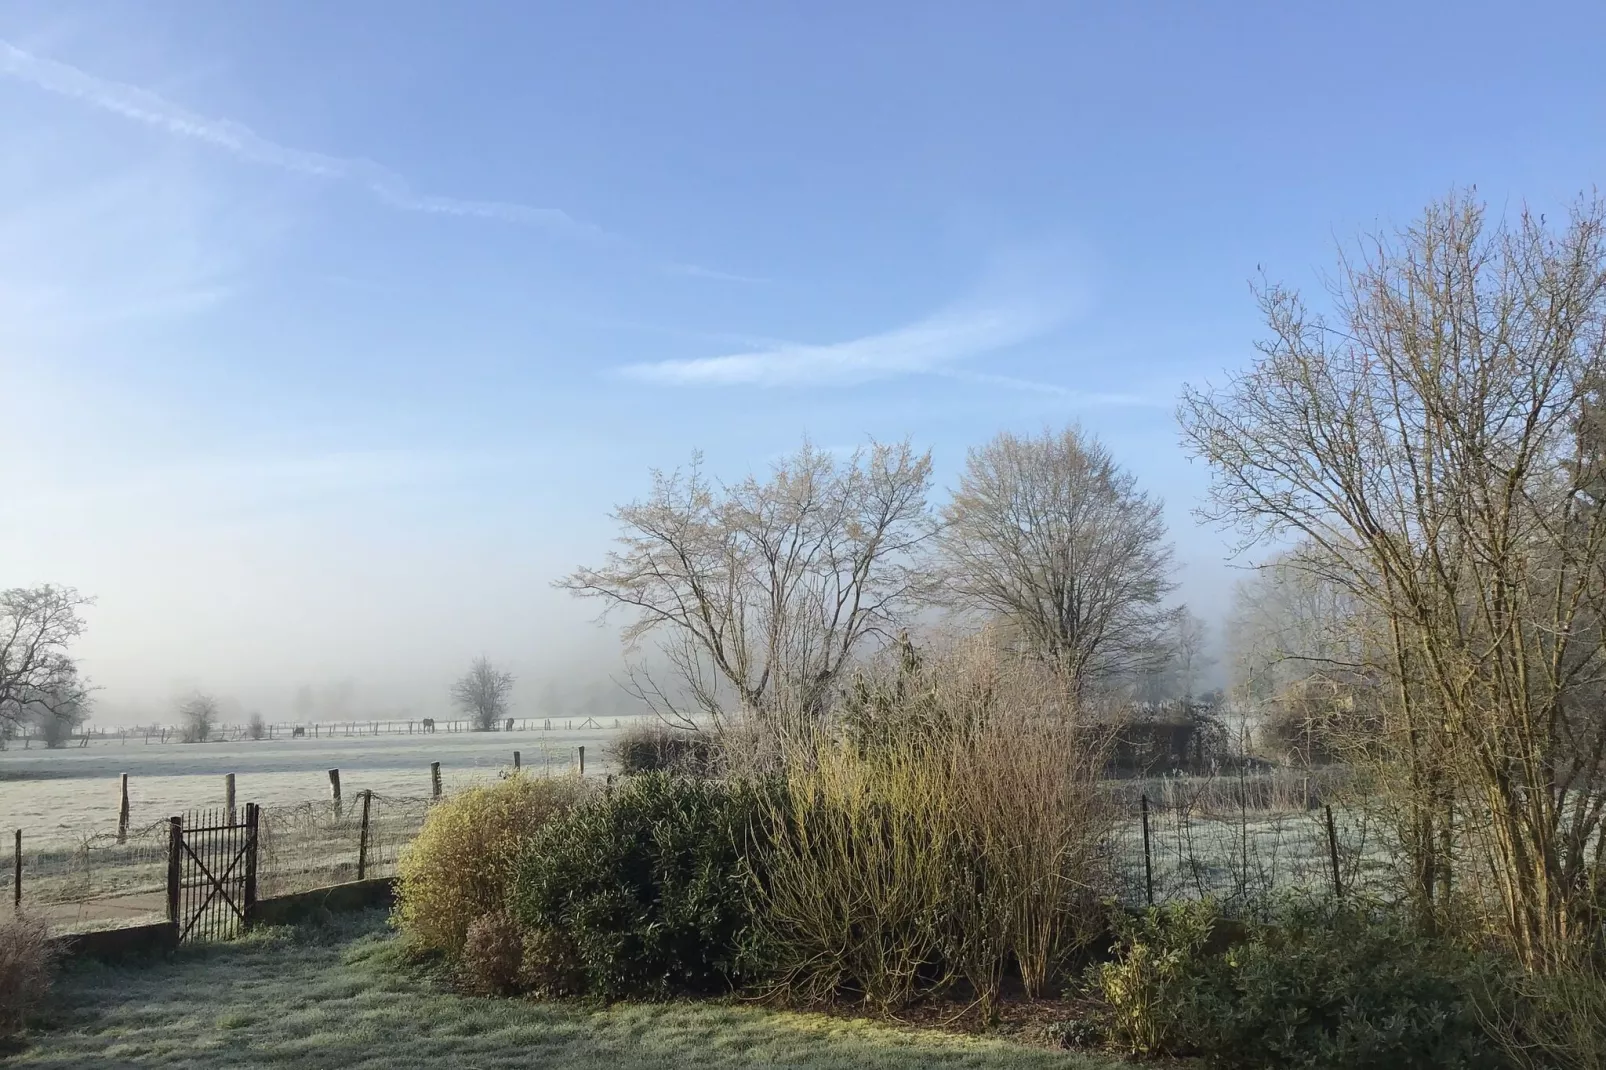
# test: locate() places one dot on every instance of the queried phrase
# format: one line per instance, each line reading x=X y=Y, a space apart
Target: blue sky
x=330 y=332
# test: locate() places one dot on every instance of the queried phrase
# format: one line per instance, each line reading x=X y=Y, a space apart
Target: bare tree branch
x=761 y=592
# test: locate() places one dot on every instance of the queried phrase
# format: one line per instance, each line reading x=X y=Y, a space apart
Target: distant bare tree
x=761 y=593
x=1190 y=651
x=198 y=715
x=257 y=727
x=37 y=626
x=482 y=694
x=1049 y=533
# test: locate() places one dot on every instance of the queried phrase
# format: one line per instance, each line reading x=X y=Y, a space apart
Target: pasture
x=80 y=874
x=60 y=796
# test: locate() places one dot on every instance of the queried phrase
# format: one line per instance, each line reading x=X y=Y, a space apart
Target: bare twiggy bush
x=957 y=839
x=199 y=716
x=1553 y=1022
x=650 y=748
x=26 y=964
x=1439 y=447
x=482 y=694
x=493 y=955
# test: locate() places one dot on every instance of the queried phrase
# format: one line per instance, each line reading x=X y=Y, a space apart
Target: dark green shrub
x=551 y=966
x=649 y=887
x=1328 y=986
x=1081 y=1032
x=1318 y=985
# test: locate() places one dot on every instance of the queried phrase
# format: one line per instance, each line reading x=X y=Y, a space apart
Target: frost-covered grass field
x=66 y=801
x=60 y=796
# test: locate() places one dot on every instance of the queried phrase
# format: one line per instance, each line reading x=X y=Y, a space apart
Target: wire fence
x=318 y=844
x=1240 y=838
x=1243 y=839
x=107 y=879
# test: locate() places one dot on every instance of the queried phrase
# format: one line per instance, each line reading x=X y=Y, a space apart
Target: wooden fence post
x=16 y=876
x=122 y=813
x=1148 y=865
x=1332 y=850
x=175 y=844
x=362 y=839
x=515 y=761
x=435 y=780
x=334 y=788
x=228 y=794
x=582 y=761
x=253 y=821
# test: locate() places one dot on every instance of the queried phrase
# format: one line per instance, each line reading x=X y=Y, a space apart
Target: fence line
x=146 y=735
x=1238 y=838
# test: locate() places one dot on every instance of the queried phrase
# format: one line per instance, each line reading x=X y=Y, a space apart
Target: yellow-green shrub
x=463 y=863
x=951 y=834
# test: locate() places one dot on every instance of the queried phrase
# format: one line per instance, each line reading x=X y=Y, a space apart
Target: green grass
x=345 y=997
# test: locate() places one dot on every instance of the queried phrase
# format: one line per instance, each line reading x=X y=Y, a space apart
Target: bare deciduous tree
x=61 y=711
x=1190 y=651
x=198 y=715
x=1303 y=660
x=37 y=677
x=1049 y=533
x=482 y=694
x=761 y=592
x=1432 y=445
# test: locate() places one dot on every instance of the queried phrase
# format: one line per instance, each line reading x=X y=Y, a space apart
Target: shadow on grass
x=344 y=997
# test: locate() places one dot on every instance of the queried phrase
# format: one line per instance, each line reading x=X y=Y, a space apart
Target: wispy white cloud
x=697 y=271
x=144 y=106
x=929 y=346
x=1077 y=397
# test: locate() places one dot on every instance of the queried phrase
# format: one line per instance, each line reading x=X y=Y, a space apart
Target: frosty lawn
x=344 y=997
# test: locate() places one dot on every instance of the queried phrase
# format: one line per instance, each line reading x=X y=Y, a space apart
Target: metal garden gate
x=212 y=872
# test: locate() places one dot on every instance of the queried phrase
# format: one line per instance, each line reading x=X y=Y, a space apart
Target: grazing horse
x=298 y=730
x=429 y=724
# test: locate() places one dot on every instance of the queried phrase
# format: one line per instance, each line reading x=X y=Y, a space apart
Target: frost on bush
x=493 y=953
x=464 y=860
x=26 y=960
